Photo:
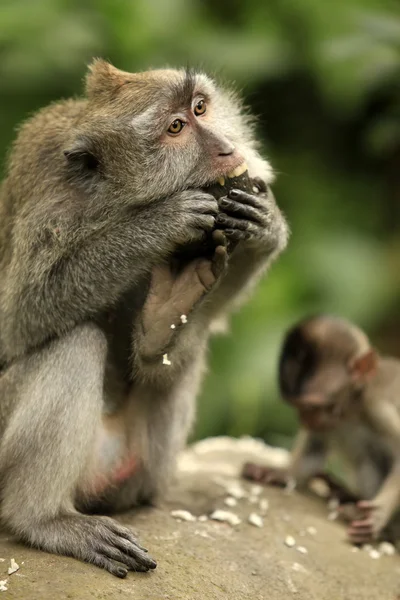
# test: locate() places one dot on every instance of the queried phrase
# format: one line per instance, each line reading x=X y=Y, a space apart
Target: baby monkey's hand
x=266 y=475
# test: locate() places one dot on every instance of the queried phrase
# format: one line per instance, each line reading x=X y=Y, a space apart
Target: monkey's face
x=148 y=135
x=314 y=377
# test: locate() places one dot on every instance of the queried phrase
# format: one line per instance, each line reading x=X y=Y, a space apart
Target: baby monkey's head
x=324 y=365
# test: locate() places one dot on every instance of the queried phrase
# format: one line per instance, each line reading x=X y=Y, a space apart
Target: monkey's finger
x=225 y=221
x=248 y=199
x=109 y=565
x=124 y=532
x=236 y=235
x=239 y=210
x=218 y=237
x=131 y=562
x=209 y=207
x=367 y=505
x=203 y=222
x=219 y=261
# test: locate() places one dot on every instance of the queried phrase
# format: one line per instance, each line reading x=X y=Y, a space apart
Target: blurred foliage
x=324 y=78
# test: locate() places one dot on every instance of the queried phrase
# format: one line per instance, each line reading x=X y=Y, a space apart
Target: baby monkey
x=347 y=399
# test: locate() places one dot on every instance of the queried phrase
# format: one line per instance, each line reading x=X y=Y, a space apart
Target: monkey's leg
x=47 y=446
x=172 y=297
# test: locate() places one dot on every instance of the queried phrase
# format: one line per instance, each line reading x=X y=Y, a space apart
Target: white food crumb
x=165 y=360
x=236 y=490
x=367 y=547
x=229 y=501
x=291 y=585
x=290 y=541
x=290 y=486
x=333 y=515
x=226 y=517
x=302 y=550
x=374 y=553
x=299 y=568
x=13 y=568
x=264 y=505
x=203 y=518
x=255 y=189
x=355 y=549
x=256 y=520
x=311 y=530
x=183 y=319
x=3 y=585
x=387 y=548
x=183 y=515
x=256 y=490
x=333 y=504
x=319 y=487
x=253 y=499
x=173 y=326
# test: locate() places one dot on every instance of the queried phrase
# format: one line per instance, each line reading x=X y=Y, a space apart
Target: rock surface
x=214 y=560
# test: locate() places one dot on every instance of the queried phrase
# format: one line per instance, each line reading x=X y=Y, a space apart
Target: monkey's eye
x=200 y=108
x=176 y=127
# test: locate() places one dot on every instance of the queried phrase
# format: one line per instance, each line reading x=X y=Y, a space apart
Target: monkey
x=104 y=199
x=347 y=399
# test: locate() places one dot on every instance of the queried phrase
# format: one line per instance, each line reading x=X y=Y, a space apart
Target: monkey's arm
x=307 y=459
x=65 y=270
x=375 y=514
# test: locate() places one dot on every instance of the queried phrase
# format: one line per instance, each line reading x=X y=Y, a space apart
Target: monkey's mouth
x=234 y=173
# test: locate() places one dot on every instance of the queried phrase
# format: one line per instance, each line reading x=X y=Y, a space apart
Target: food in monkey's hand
x=236 y=179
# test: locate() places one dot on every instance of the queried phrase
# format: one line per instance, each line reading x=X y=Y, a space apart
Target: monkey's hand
x=172 y=297
x=370 y=520
x=190 y=215
x=266 y=475
x=253 y=218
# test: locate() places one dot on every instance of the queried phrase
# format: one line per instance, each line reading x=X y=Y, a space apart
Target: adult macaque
x=109 y=243
x=348 y=399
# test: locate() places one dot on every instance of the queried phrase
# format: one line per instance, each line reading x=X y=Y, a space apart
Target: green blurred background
x=324 y=78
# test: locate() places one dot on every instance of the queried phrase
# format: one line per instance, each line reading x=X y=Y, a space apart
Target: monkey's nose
x=226 y=148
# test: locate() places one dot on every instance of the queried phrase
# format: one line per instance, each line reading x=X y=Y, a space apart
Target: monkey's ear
x=82 y=163
x=103 y=80
x=363 y=367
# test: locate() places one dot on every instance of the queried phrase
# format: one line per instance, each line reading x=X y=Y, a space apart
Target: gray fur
x=94 y=206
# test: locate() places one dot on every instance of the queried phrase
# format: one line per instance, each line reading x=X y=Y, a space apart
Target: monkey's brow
x=182 y=91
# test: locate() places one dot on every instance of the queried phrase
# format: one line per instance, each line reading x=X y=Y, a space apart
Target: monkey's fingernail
x=224 y=202
x=234 y=193
x=221 y=218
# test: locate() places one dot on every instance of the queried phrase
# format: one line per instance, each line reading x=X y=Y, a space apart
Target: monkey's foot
x=100 y=541
x=245 y=216
x=369 y=522
x=266 y=475
x=173 y=297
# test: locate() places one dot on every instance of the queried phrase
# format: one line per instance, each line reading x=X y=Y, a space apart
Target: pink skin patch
x=113 y=461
